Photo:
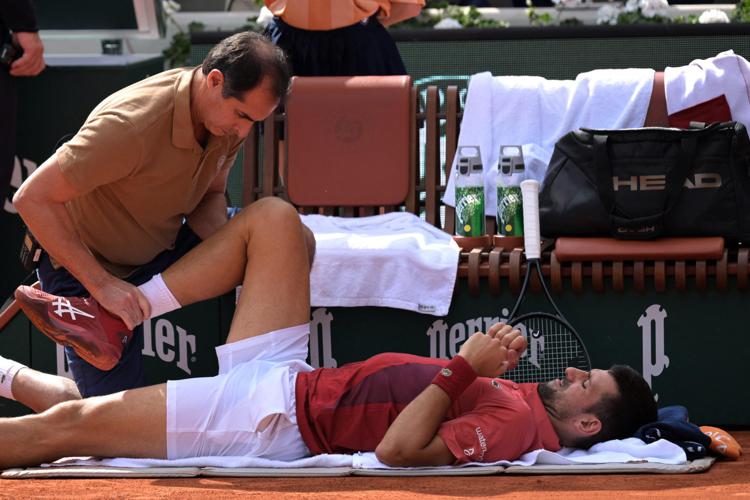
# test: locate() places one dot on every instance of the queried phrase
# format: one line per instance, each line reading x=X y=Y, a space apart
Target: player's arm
x=40 y=201
x=211 y=212
x=412 y=439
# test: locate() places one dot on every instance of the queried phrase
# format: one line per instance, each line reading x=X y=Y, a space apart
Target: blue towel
x=673 y=425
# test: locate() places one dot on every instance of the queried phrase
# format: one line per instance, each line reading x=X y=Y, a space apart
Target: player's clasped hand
x=494 y=353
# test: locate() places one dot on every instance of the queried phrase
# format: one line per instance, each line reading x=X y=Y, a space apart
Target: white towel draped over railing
x=391 y=260
x=534 y=112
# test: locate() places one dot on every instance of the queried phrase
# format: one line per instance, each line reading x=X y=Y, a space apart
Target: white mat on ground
x=620 y=456
x=390 y=260
x=534 y=112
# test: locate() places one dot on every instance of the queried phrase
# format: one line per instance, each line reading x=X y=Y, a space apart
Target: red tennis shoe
x=94 y=334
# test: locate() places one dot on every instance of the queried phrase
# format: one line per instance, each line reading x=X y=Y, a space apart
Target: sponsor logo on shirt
x=482 y=443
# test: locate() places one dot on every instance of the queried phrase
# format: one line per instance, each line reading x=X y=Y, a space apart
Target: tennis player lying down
x=267 y=402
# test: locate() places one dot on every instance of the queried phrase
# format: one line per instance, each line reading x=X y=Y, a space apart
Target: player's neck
x=562 y=429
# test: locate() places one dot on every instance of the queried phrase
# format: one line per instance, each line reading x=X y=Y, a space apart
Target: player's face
x=577 y=391
x=232 y=116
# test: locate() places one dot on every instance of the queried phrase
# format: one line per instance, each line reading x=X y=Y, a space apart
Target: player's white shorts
x=246 y=410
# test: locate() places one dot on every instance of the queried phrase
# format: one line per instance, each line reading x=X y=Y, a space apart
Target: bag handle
x=649 y=226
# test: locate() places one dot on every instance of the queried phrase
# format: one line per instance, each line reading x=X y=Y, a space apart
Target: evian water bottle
x=469 y=192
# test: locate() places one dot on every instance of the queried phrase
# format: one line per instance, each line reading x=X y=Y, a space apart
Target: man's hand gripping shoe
x=94 y=334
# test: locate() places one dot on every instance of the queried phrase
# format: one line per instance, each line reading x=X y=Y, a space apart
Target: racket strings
x=552 y=347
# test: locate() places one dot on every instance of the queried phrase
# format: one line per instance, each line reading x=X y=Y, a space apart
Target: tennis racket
x=553 y=343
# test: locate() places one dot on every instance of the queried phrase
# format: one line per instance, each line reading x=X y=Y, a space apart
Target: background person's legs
x=268 y=245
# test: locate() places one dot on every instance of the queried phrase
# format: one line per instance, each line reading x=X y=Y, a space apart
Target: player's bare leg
x=126 y=424
x=268 y=246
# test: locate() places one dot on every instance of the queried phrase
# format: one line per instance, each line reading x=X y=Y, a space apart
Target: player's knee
x=273 y=214
x=66 y=417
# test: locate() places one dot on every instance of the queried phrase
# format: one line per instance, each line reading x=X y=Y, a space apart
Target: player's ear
x=587 y=424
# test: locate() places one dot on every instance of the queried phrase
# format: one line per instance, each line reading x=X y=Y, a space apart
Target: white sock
x=158 y=295
x=8 y=371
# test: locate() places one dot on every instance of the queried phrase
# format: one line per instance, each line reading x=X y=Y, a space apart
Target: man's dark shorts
x=128 y=373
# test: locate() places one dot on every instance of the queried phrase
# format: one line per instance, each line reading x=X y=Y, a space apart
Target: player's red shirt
x=349 y=409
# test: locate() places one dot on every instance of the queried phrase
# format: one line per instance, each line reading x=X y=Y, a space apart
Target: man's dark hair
x=623 y=414
x=245 y=59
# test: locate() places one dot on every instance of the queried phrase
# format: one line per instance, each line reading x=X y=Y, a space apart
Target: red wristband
x=455 y=377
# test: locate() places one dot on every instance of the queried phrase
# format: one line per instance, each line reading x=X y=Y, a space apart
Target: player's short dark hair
x=245 y=59
x=623 y=414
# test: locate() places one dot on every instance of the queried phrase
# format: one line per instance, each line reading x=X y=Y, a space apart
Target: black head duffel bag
x=649 y=182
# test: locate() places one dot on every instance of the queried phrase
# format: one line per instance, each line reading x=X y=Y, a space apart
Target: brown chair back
x=347 y=141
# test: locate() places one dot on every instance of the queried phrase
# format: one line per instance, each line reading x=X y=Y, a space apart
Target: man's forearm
x=52 y=227
x=209 y=215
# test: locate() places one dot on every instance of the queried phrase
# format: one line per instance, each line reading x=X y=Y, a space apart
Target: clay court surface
x=723 y=480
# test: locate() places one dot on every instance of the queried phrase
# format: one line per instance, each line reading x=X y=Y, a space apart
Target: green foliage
x=472 y=18
x=251 y=25
x=637 y=17
x=536 y=19
x=571 y=21
x=179 y=49
x=466 y=17
x=547 y=18
x=689 y=19
x=741 y=12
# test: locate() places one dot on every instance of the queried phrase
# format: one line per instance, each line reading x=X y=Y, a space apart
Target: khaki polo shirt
x=141 y=170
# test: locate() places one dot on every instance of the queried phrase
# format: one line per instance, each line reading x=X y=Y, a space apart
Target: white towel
x=704 y=79
x=315 y=461
x=615 y=451
x=534 y=112
x=608 y=452
x=391 y=260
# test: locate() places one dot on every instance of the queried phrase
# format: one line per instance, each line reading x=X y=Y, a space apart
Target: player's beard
x=549 y=393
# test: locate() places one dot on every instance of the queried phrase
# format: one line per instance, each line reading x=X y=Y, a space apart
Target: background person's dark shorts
x=360 y=49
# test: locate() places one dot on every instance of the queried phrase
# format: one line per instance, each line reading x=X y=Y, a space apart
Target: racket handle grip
x=531 y=234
